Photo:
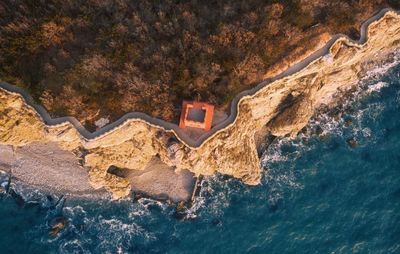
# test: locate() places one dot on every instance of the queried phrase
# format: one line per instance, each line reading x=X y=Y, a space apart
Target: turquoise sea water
x=321 y=193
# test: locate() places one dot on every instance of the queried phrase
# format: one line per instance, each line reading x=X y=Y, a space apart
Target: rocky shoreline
x=277 y=107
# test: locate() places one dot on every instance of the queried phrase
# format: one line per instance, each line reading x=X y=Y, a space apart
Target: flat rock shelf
x=46 y=167
x=278 y=107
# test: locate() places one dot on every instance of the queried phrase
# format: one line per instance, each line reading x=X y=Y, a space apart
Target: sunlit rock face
x=281 y=108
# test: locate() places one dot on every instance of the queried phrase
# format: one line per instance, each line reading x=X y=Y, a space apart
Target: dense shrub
x=111 y=57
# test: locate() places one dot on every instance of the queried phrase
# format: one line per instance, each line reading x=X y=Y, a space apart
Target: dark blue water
x=321 y=193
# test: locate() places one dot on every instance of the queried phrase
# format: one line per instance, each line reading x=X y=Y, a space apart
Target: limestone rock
x=281 y=108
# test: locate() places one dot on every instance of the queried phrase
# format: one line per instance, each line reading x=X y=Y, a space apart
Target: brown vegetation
x=93 y=59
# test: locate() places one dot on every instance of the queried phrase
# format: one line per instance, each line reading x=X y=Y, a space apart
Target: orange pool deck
x=188 y=106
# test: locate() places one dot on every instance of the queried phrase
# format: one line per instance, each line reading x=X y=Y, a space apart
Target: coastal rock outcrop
x=282 y=107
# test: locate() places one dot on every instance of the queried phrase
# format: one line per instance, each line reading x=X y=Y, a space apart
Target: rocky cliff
x=280 y=108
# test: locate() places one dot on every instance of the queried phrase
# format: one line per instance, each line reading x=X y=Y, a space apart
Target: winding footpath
x=167 y=126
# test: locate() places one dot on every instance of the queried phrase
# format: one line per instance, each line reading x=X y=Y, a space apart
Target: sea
x=335 y=188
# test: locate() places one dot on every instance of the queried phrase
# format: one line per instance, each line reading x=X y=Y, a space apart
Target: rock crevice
x=282 y=107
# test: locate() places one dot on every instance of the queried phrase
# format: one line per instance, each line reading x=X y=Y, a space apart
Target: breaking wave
x=150 y=226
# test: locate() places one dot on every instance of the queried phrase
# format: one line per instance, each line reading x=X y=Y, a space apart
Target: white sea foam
x=278 y=161
x=75 y=212
x=73 y=246
x=31 y=195
x=147 y=202
x=280 y=165
x=114 y=235
x=143 y=207
x=379 y=70
x=197 y=204
x=214 y=196
x=273 y=155
x=367 y=132
x=377 y=87
x=142 y=211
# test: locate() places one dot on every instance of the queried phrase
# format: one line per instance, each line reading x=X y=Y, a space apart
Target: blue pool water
x=320 y=193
